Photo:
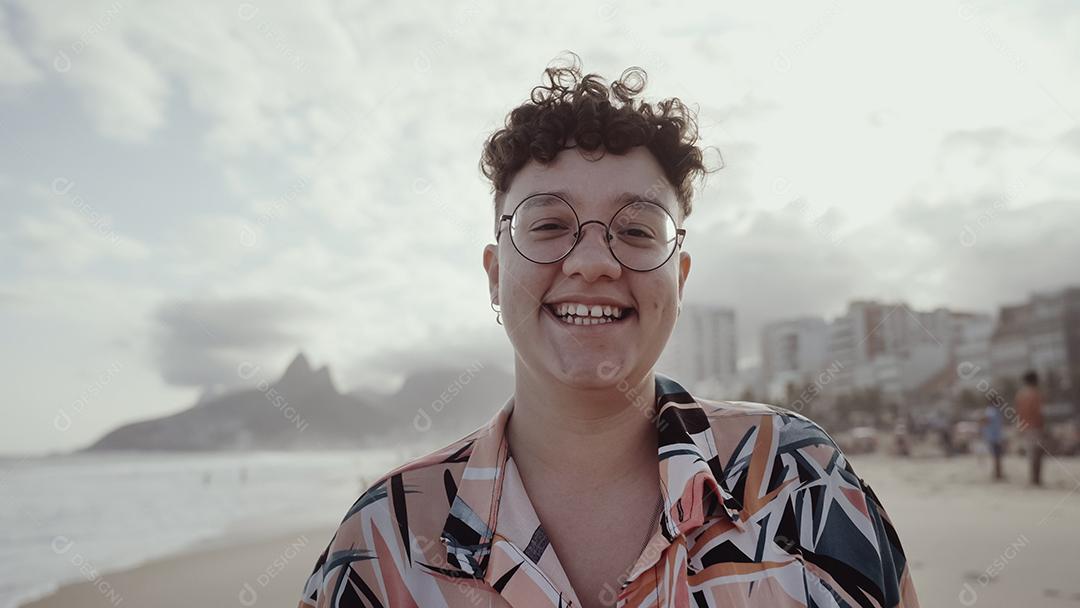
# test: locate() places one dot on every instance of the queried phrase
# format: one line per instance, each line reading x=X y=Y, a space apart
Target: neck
x=584 y=436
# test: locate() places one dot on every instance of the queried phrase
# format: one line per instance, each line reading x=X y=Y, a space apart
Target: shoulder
x=394 y=526
x=772 y=428
x=770 y=457
x=430 y=481
x=793 y=481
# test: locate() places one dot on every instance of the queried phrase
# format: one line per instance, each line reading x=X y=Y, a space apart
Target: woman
x=600 y=482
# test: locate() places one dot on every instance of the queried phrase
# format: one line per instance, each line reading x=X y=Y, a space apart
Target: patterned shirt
x=760 y=509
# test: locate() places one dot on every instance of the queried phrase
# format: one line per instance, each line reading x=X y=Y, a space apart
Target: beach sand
x=268 y=572
x=970 y=542
x=973 y=542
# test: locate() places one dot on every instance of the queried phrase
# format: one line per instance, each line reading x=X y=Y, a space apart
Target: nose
x=591 y=257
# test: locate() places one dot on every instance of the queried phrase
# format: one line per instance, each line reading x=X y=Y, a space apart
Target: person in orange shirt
x=1029 y=404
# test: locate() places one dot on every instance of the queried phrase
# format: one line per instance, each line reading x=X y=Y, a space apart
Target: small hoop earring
x=498 y=313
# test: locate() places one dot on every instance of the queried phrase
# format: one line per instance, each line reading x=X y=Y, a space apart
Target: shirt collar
x=690 y=474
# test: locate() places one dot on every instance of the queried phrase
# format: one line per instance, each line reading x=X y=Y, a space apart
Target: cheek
x=511 y=273
x=661 y=296
x=523 y=284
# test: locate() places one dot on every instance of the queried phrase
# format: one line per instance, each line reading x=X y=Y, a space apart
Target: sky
x=186 y=187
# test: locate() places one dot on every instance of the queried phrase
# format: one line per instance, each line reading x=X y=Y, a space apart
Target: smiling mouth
x=572 y=318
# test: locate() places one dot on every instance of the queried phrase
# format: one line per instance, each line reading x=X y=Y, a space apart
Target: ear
x=491 y=267
x=684 y=270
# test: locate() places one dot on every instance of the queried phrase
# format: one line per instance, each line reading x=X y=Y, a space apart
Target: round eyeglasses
x=544 y=229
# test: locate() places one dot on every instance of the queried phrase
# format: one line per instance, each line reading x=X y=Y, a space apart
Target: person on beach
x=600 y=482
x=1029 y=405
x=993 y=431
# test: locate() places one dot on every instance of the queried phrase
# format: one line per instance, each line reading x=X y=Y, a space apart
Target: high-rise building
x=702 y=347
x=1042 y=334
x=897 y=349
x=867 y=332
x=791 y=352
x=972 y=354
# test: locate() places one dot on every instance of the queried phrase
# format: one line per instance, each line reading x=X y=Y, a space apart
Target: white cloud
x=89 y=47
x=16 y=69
x=200 y=342
x=73 y=237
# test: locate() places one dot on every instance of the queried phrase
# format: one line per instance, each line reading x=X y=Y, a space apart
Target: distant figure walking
x=993 y=431
x=1029 y=406
x=901 y=432
x=943 y=426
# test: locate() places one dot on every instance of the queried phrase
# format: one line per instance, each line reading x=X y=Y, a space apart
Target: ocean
x=78 y=517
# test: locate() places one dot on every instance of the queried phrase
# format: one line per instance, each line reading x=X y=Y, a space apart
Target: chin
x=592 y=373
x=584 y=383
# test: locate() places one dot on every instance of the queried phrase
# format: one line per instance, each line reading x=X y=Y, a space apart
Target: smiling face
x=599 y=351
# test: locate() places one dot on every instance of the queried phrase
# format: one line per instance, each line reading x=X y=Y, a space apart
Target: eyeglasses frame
x=680 y=233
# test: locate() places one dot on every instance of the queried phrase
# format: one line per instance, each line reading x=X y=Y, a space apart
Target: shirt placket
x=520 y=581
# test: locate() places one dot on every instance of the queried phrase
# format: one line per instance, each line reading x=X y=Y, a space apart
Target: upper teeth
x=583 y=310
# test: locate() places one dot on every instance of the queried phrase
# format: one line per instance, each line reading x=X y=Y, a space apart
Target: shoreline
x=237 y=567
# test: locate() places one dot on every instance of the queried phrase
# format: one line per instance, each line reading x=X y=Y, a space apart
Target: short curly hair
x=596 y=117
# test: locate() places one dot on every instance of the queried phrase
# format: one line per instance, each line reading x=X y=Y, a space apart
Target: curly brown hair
x=596 y=117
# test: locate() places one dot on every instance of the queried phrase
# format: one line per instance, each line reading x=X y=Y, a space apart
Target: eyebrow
x=623 y=198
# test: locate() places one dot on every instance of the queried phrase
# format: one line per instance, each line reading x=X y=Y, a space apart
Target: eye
x=637 y=233
x=550 y=226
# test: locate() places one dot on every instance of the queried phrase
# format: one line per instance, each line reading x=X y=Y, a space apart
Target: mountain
x=304 y=410
x=445 y=400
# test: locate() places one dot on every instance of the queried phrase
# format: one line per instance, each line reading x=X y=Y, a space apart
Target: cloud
x=200 y=342
x=16 y=69
x=772 y=265
x=983 y=253
x=444 y=348
x=93 y=48
x=10 y=298
x=131 y=112
x=253 y=68
x=984 y=142
x=1072 y=139
x=71 y=237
